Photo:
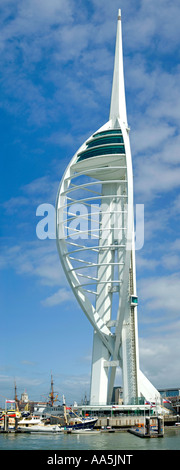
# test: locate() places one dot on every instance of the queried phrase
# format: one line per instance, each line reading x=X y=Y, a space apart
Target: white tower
x=95 y=240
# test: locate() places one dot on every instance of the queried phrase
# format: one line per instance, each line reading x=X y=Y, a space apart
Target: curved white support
x=97 y=258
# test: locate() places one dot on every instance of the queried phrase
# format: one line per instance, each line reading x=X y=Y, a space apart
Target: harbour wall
x=130 y=421
x=119 y=422
x=123 y=421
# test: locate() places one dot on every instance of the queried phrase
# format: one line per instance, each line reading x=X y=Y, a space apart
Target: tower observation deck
x=95 y=241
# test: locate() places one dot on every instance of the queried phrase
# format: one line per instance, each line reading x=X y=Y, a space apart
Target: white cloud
x=149 y=21
x=171 y=261
x=153 y=177
x=156 y=225
x=149 y=135
x=161 y=293
x=38 y=191
x=14 y=203
x=175 y=245
x=38 y=259
x=176 y=206
x=145 y=263
x=62 y=295
x=32 y=16
x=28 y=363
x=158 y=357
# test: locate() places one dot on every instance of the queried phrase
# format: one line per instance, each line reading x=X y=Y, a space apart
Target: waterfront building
x=95 y=241
x=171 y=399
x=170 y=392
x=24 y=397
x=117 y=396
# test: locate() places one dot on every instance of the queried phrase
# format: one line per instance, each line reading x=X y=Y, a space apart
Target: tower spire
x=118 y=102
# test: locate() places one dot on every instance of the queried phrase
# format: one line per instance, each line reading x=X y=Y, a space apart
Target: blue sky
x=56 y=65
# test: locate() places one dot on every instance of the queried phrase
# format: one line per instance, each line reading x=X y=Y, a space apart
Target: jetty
x=153 y=427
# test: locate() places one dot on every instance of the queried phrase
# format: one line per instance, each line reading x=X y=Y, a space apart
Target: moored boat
x=40 y=428
x=71 y=422
x=74 y=421
x=87 y=432
x=13 y=413
x=30 y=421
x=82 y=423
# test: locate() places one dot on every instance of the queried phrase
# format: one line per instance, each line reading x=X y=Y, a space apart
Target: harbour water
x=102 y=441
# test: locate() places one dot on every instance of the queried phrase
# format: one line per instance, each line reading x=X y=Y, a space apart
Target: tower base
x=99 y=373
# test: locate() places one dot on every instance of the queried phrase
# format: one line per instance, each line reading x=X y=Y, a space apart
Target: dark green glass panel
x=108 y=150
x=107 y=132
x=106 y=140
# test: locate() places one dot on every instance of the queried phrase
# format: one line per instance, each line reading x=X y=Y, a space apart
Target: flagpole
x=5 y=416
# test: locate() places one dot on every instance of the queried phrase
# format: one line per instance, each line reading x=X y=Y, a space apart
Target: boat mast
x=15 y=396
x=52 y=391
x=64 y=405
